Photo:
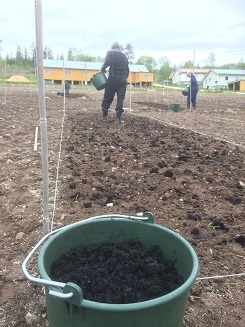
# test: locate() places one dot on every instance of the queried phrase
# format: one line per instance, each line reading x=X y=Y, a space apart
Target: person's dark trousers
x=114 y=85
x=192 y=97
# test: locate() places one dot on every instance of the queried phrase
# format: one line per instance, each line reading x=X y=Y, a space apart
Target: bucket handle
x=146 y=216
x=40 y=280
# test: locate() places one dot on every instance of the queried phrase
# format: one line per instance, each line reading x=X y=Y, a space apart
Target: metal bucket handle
x=146 y=216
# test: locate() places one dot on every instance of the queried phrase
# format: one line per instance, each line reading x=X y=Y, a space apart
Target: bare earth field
x=187 y=168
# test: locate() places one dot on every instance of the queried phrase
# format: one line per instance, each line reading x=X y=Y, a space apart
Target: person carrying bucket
x=117 y=81
x=192 y=92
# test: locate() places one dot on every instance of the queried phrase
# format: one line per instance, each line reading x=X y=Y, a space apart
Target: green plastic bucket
x=174 y=107
x=99 y=80
x=165 y=311
x=185 y=91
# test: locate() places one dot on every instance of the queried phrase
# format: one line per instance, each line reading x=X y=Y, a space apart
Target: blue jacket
x=194 y=83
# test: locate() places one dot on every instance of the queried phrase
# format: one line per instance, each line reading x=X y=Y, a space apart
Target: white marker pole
x=35 y=142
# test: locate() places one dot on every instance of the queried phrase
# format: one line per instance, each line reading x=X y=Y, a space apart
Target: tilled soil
x=187 y=168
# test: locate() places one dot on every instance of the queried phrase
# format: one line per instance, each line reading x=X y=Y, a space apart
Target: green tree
x=33 y=63
x=74 y=53
x=47 y=53
x=70 y=55
x=100 y=59
x=187 y=64
x=228 y=66
x=211 y=60
x=19 y=57
x=129 y=52
x=26 y=58
x=77 y=54
x=50 y=54
x=148 y=61
x=8 y=60
x=241 y=64
x=165 y=69
x=1 y=48
x=33 y=51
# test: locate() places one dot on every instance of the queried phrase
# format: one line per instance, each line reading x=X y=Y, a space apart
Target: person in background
x=117 y=81
x=67 y=88
x=192 y=93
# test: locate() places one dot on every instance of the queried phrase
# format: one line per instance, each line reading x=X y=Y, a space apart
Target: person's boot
x=104 y=114
x=118 y=118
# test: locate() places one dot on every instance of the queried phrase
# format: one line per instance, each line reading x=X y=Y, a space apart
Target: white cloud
x=157 y=27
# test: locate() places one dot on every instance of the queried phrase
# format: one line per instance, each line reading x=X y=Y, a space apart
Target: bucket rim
x=97 y=74
x=184 y=288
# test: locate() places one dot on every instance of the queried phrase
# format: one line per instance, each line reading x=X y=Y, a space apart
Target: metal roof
x=71 y=64
x=138 y=68
x=195 y=70
x=86 y=65
x=237 y=81
x=229 y=71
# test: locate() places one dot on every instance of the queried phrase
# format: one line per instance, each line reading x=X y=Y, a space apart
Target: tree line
x=161 y=68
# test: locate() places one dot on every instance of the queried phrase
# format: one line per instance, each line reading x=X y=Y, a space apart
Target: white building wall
x=219 y=81
x=181 y=78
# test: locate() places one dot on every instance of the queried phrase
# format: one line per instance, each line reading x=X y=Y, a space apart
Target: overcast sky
x=180 y=30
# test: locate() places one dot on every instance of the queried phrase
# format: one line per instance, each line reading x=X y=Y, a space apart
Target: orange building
x=78 y=72
x=238 y=85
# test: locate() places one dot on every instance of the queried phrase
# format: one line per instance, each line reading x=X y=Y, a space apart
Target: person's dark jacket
x=194 y=83
x=67 y=86
x=118 y=63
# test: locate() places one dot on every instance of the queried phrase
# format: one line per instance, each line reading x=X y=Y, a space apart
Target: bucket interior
x=117 y=230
